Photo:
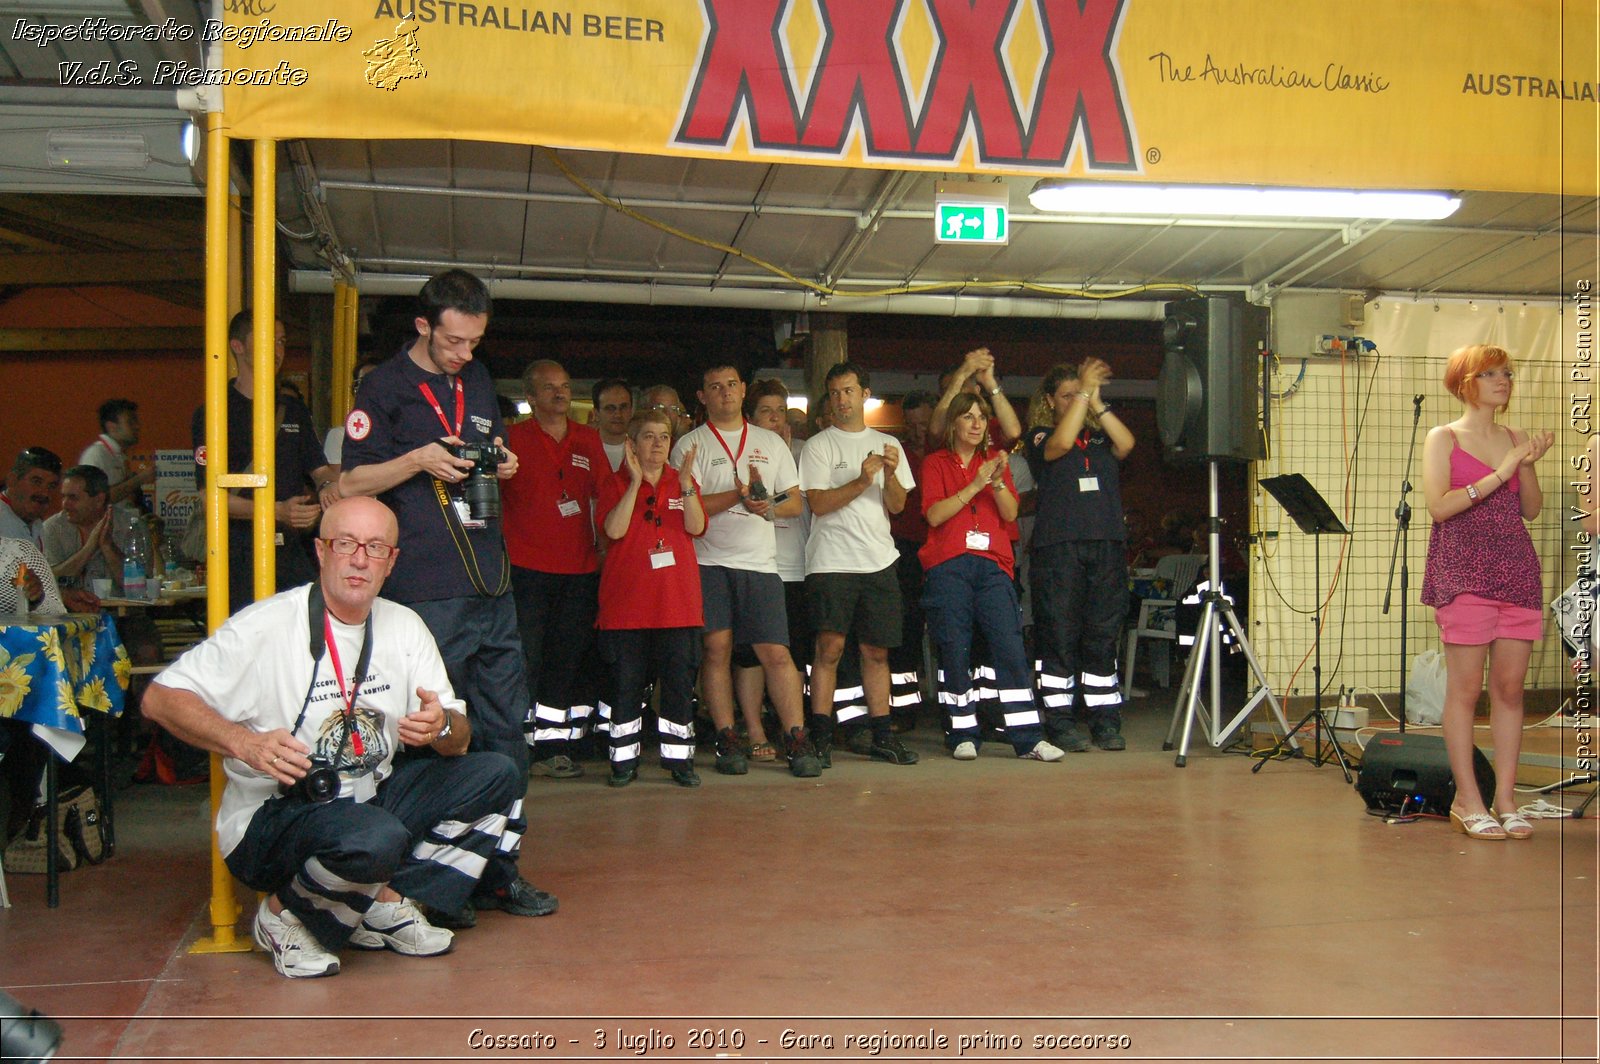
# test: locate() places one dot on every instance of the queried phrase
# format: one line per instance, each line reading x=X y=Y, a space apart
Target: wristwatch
x=444 y=731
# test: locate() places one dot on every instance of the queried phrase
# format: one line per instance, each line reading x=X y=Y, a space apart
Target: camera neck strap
x=461 y=405
x=319 y=623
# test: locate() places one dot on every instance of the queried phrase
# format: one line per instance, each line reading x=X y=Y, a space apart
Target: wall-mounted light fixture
x=1102 y=197
x=95 y=149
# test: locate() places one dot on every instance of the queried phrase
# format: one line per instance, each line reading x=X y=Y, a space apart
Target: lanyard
x=1083 y=445
x=744 y=430
x=348 y=698
x=461 y=405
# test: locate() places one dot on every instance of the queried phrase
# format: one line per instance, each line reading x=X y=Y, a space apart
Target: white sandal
x=1516 y=825
x=1478 y=826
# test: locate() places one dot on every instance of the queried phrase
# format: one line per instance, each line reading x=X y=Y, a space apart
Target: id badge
x=569 y=508
x=1088 y=483
x=277 y=539
x=464 y=513
x=662 y=558
x=978 y=541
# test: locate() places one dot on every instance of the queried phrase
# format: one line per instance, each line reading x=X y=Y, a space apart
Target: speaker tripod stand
x=1216 y=619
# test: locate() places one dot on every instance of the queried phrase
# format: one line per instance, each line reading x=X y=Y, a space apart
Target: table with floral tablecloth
x=53 y=668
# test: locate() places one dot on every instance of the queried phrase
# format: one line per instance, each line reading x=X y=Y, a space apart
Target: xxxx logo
x=1031 y=82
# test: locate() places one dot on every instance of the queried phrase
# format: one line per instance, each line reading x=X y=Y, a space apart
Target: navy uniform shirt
x=438 y=558
x=1066 y=511
x=298 y=451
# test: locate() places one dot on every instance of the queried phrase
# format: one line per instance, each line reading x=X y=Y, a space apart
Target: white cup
x=102 y=587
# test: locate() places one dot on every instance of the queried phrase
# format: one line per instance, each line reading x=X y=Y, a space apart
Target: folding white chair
x=1158 y=617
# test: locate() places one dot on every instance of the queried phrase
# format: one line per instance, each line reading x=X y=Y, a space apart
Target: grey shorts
x=749 y=603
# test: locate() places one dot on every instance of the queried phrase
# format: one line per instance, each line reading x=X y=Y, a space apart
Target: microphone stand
x=1402 y=525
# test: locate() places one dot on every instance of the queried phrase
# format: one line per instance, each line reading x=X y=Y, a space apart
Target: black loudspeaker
x=1207 y=397
x=1408 y=773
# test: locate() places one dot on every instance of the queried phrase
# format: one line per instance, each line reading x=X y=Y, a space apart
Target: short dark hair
x=844 y=369
x=113 y=409
x=915 y=401
x=604 y=385
x=31 y=458
x=455 y=290
x=95 y=481
x=707 y=368
x=240 y=327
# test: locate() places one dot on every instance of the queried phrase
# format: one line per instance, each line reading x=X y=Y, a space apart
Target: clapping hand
x=630 y=459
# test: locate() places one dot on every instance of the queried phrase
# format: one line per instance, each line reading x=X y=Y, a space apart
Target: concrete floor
x=1202 y=913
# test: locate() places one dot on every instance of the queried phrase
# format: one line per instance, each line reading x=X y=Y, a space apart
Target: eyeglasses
x=1491 y=374
x=670 y=408
x=616 y=408
x=375 y=549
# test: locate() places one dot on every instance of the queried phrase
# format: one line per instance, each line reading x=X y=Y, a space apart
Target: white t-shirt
x=791 y=533
x=737 y=538
x=854 y=538
x=106 y=455
x=255 y=670
x=614 y=453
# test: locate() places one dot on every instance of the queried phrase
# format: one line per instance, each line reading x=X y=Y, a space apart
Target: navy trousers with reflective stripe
x=431 y=831
x=968 y=593
x=1080 y=598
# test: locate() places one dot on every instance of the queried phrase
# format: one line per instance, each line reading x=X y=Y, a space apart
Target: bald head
x=363 y=512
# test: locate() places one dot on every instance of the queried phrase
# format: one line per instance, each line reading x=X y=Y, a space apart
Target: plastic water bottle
x=133 y=578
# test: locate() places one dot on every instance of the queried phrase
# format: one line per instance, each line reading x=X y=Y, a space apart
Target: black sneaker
x=622 y=777
x=1068 y=736
x=893 y=751
x=463 y=919
x=1109 y=739
x=686 y=777
x=803 y=760
x=859 y=741
x=730 y=755
x=521 y=898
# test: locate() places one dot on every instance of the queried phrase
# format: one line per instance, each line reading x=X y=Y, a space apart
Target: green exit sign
x=971 y=223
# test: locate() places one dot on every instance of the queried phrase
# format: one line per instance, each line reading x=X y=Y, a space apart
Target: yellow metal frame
x=221 y=239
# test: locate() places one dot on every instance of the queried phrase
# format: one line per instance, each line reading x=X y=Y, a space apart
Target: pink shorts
x=1473 y=621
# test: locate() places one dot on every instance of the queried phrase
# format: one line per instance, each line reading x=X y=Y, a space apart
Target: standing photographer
x=425 y=438
x=309 y=696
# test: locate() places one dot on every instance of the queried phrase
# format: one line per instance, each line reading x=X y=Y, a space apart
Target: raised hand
x=686 y=467
x=630 y=459
x=1536 y=445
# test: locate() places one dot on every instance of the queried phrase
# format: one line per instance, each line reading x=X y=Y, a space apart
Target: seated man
x=309 y=696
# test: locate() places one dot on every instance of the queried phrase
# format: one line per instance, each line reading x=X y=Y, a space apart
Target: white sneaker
x=965 y=751
x=1044 y=750
x=400 y=926
x=296 y=953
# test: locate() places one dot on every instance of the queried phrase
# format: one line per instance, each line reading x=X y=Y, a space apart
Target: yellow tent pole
x=264 y=356
x=352 y=329
x=339 y=375
x=224 y=903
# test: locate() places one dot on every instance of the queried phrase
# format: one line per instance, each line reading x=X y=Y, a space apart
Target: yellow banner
x=1462 y=94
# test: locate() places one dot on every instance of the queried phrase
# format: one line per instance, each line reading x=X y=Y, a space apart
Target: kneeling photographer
x=311 y=696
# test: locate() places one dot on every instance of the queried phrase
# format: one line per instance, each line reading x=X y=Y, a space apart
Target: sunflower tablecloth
x=53 y=668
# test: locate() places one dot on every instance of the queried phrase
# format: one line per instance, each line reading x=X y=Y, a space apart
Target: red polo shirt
x=636 y=591
x=545 y=508
x=943 y=475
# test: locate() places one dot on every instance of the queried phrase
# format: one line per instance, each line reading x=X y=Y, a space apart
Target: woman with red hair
x=1482 y=578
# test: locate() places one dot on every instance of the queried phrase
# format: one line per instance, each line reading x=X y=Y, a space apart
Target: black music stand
x=1312 y=514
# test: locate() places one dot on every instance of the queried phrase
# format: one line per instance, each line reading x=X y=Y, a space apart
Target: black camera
x=482 y=486
x=318 y=786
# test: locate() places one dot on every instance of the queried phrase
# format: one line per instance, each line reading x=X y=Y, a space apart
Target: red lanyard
x=1083 y=445
x=349 y=698
x=461 y=405
x=744 y=430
